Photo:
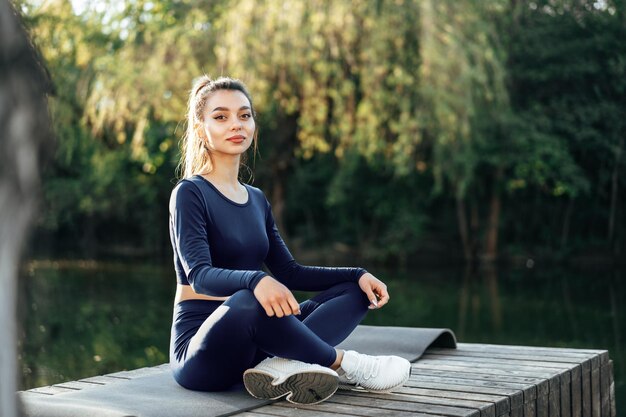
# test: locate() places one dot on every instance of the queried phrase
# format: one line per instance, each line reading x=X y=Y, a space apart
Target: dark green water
x=84 y=319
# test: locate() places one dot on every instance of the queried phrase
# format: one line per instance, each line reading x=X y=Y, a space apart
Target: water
x=81 y=319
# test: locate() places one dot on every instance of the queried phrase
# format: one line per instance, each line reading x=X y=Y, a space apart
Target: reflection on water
x=84 y=319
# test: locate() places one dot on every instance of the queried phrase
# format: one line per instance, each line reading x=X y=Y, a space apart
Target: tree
x=570 y=94
x=467 y=106
x=361 y=103
x=331 y=77
x=123 y=75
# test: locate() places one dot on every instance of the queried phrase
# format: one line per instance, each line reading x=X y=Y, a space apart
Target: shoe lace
x=367 y=367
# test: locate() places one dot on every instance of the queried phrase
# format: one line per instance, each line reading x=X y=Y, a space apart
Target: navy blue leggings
x=214 y=342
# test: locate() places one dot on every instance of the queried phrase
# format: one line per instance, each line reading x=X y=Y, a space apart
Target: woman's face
x=228 y=122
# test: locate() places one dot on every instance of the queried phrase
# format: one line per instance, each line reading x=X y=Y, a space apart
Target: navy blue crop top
x=220 y=245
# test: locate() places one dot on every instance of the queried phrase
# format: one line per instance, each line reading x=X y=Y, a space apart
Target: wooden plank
x=612 y=390
x=536 y=349
x=136 y=373
x=355 y=399
x=554 y=397
x=515 y=396
x=541 y=384
x=502 y=403
x=466 y=372
x=486 y=370
x=568 y=389
x=75 y=385
x=559 y=398
x=529 y=390
x=586 y=388
x=486 y=409
x=535 y=369
x=568 y=358
x=566 y=382
x=537 y=362
x=517 y=412
x=604 y=357
x=50 y=390
x=605 y=401
x=543 y=405
x=576 y=391
x=595 y=387
x=530 y=408
x=102 y=380
x=356 y=411
x=288 y=410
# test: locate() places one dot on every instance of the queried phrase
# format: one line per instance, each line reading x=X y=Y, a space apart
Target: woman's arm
x=299 y=277
x=188 y=229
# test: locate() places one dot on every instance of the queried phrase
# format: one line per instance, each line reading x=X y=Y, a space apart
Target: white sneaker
x=372 y=373
x=303 y=383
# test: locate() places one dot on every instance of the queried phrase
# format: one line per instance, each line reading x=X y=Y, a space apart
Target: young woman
x=233 y=321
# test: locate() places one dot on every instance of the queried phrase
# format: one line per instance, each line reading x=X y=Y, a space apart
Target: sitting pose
x=231 y=320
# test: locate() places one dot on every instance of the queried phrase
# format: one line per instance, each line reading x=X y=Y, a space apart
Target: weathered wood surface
x=483 y=381
x=472 y=381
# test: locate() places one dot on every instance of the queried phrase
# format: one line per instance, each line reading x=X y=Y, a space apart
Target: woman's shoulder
x=256 y=193
x=185 y=183
x=185 y=188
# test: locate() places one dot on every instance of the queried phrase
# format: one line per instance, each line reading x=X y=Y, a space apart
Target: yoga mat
x=158 y=395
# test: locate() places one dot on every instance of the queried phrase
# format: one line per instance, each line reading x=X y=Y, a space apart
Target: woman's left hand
x=375 y=289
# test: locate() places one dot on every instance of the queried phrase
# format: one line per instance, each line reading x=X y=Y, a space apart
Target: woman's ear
x=200 y=131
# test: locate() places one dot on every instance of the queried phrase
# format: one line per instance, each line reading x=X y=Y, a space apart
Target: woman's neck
x=225 y=170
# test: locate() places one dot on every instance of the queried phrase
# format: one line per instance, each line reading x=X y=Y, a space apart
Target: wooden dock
x=474 y=380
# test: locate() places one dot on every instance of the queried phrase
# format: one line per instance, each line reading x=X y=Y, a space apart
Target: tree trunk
x=278 y=203
x=566 y=222
x=614 y=193
x=491 y=246
x=24 y=139
x=491 y=277
x=281 y=162
x=474 y=230
x=463 y=229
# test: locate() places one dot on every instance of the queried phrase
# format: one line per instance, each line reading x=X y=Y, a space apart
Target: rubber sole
x=301 y=388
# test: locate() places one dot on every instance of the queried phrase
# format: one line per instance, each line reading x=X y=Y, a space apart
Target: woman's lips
x=236 y=139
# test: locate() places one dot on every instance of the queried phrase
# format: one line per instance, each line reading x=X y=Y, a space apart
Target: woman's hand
x=275 y=298
x=375 y=289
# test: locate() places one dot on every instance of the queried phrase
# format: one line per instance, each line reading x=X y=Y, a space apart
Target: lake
x=85 y=318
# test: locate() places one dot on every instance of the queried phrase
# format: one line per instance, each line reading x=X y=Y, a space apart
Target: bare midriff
x=185 y=292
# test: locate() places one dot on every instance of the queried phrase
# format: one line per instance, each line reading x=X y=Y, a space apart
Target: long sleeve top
x=220 y=245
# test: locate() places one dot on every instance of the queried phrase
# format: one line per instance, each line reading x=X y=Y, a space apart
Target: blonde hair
x=194 y=151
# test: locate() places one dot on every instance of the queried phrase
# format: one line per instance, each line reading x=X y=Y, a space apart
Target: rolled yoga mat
x=158 y=395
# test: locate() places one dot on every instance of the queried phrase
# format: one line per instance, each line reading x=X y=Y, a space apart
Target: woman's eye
x=220 y=117
x=246 y=115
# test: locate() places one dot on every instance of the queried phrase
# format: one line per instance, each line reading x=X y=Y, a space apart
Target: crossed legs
x=238 y=334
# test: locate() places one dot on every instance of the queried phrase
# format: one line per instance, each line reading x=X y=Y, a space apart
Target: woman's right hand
x=275 y=298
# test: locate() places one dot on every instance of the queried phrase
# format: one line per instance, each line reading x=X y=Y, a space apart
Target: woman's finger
x=383 y=295
x=268 y=308
x=277 y=310
x=384 y=299
x=287 y=310
x=293 y=303
x=371 y=296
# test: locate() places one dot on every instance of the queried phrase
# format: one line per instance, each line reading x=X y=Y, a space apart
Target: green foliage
x=347 y=70
x=569 y=96
x=379 y=120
